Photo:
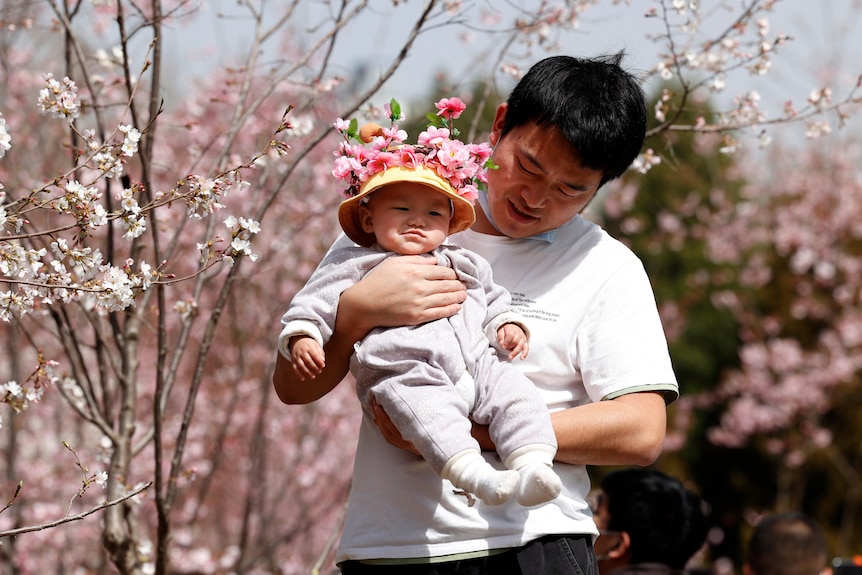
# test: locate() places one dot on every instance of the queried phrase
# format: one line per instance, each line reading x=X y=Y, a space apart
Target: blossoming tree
x=791 y=280
x=149 y=244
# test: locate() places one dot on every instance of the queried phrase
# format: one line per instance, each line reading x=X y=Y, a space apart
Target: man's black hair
x=597 y=106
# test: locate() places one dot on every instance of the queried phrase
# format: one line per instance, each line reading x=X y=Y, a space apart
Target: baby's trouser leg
x=410 y=372
x=520 y=426
x=469 y=471
x=432 y=417
x=509 y=403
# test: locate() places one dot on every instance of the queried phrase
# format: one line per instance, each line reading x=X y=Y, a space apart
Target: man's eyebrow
x=535 y=161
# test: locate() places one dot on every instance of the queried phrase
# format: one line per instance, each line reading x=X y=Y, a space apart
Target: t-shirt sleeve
x=621 y=345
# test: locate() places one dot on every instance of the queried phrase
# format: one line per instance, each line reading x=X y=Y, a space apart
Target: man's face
x=539 y=184
x=599 y=506
x=608 y=547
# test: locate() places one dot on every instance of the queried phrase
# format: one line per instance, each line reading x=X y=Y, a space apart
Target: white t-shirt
x=595 y=334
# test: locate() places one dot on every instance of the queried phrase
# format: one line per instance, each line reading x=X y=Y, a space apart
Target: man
x=649 y=524
x=787 y=544
x=598 y=353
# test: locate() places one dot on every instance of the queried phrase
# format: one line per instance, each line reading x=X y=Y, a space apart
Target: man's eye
x=570 y=193
x=525 y=169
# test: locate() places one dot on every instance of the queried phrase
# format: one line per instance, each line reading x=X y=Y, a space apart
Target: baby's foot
x=496 y=487
x=539 y=483
x=470 y=472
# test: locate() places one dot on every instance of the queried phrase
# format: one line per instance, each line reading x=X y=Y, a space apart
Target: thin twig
x=14 y=497
x=78 y=517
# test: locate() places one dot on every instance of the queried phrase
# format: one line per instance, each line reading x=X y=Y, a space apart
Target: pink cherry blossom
x=379 y=162
x=394 y=135
x=409 y=157
x=433 y=136
x=453 y=153
x=469 y=191
x=482 y=151
x=450 y=108
x=344 y=166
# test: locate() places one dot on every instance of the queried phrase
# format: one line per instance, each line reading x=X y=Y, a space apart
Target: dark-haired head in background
x=649 y=522
x=787 y=544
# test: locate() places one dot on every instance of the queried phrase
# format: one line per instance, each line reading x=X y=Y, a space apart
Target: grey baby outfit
x=420 y=375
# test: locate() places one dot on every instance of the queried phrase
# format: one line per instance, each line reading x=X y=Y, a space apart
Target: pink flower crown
x=464 y=166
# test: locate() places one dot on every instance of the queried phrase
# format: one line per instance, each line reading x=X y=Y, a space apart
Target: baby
x=432 y=379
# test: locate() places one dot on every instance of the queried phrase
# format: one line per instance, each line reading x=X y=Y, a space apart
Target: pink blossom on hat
x=433 y=136
x=462 y=165
x=394 y=134
x=450 y=108
x=381 y=161
x=453 y=153
x=469 y=192
x=482 y=151
x=409 y=157
x=344 y=166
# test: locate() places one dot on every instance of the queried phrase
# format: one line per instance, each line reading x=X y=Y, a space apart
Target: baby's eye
x=435 y=214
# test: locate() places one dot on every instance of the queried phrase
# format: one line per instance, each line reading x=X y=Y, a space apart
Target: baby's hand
x=513 y=339
x=308 y=357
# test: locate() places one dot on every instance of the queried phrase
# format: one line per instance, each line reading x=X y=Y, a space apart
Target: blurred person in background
x=788 y=543
x=649 y=523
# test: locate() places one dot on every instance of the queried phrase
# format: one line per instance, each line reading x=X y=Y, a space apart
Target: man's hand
x=388 y=430
x=406 y=290
x=512 y=338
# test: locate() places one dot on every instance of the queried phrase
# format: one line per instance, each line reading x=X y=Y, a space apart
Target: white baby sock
x=469 y=471
x=539 y=483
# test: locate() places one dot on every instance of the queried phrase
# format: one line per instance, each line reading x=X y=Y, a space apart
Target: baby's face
x=407 y=218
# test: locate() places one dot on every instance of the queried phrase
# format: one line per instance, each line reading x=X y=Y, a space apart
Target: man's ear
x=497 y=126
x=365 y=219
x=623 y=548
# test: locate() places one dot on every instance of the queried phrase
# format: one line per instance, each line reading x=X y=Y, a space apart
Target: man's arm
x=406 y=290
x=293 y=389
x=628 y=430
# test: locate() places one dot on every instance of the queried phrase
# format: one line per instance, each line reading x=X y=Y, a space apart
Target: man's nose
x=534 y=196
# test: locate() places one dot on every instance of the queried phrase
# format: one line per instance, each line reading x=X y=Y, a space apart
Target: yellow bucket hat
x=463 y=214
